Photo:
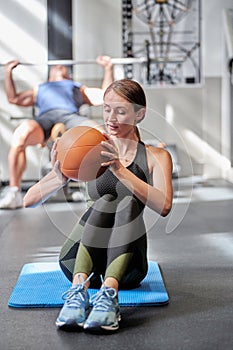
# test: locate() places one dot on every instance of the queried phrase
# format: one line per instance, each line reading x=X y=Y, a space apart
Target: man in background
x=58 y=101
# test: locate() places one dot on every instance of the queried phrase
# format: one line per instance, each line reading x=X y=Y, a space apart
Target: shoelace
x=102 y=301
x=79 y=290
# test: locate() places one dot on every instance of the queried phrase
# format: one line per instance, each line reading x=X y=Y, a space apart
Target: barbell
x=120 y=61
x=115 y=61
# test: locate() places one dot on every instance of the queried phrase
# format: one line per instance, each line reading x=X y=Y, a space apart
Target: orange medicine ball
x=79 y=152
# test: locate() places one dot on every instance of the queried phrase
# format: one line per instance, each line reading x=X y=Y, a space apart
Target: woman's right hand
x=56 y=163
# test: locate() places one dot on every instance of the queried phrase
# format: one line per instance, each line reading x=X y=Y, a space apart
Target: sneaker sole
x=69 y=326
x=11 y=207
x=97 y=328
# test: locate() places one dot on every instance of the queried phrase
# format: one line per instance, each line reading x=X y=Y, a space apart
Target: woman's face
x=119 y=115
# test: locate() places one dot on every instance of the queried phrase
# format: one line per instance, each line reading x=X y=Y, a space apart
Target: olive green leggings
x=111 y=242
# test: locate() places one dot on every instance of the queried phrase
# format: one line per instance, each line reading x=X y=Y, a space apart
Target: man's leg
x=29 y=133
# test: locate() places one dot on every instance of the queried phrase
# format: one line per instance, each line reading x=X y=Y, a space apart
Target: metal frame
x=160 y=30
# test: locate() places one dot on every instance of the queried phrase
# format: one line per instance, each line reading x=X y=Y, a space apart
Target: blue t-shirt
x=64 y=95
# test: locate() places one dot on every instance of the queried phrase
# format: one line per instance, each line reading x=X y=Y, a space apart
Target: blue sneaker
x=105 y=313
x=76 y=307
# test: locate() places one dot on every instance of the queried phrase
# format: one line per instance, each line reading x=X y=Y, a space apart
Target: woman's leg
x=69 y=251
x=122 y=260
x=85 y=244
x=127 y=252
x=100 y=220
x=92 y=252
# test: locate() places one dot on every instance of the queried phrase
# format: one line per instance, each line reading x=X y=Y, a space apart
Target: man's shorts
x=49 y=119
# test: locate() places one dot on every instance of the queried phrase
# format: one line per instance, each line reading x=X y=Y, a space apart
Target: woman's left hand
x=111 y=154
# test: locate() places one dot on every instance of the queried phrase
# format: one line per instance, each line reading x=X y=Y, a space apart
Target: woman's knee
x=102 y=214
x=129 y=218
x=129 y=206
x=105 y=204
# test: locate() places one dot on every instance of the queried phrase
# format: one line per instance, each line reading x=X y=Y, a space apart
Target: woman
x=113 y=240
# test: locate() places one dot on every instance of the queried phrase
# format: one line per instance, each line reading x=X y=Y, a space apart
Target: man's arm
x=94 y=96
x=25 y=98
x=106 y=63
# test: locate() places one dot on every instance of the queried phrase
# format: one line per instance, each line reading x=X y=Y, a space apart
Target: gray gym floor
x=194 y=247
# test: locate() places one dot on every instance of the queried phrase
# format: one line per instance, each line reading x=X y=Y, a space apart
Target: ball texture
x=79 y=152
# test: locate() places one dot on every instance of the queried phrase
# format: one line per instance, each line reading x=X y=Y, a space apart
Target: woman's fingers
x=57 y=166
x=110 y=151
x=109 y=145
x=105 y=135
x=57 y=169
x=53 y=153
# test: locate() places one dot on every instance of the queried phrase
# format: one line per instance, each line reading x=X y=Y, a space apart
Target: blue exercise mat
x=42 y=285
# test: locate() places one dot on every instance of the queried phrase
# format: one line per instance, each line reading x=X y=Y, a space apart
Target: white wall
x=190 y=118
x=213 y=44
x=23 y=36
x=97 y=31
x=196 y=125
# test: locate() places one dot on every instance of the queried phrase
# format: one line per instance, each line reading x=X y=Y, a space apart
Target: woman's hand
x=56 y=164
x=53 y=153
x=48 y=185
x=111 y=154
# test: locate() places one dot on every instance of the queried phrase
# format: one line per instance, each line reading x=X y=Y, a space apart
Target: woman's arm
x=48 y=185
x=44 y=189
x=158 y=195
